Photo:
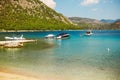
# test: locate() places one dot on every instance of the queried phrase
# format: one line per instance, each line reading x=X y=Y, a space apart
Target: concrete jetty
x=13 y=45
x=2 y=43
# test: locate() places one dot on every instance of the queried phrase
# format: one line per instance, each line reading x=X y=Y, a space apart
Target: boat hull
x=62 y=36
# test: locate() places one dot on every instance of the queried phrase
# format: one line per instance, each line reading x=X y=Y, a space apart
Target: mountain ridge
x=31 y=14
x=86 y=20
x=109 y=20
x=116 y=24
x=88 y=23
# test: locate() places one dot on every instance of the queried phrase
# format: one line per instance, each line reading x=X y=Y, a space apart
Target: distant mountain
x=107 y=20
x=30 y=15
x=87 y=23
x=84 y=20
x=116 y=25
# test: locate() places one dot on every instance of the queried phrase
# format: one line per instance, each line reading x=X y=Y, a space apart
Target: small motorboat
x=88 y=33
x=62 y=35
x=15 y=38
x=49 y=36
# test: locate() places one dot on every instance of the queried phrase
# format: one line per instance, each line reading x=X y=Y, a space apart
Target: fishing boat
x=49 y=36
x=15 y=38
x=62 y=35
x=88 y=33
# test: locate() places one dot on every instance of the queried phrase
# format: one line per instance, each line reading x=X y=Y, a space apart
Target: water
x=79 y=57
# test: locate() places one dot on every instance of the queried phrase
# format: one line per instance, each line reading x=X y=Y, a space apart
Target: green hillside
x=31 y=15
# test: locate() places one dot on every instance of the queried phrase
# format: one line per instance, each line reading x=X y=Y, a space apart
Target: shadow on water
x=39 y=45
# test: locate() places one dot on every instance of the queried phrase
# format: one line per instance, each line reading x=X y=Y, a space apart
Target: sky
x=95 y=9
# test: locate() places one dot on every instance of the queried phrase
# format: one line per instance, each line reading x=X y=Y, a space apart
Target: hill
x=31 y=15
x=87 y=23
x=84 y=20
x=108 y=20
x=116 y=25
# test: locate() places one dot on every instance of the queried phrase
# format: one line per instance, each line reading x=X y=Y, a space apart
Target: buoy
x=108 y=49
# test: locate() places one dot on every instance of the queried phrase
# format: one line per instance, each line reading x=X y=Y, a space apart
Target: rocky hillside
x=30 y=15
x=84 y=20
x=116 y=25
x=107 y=20
x=87 y=23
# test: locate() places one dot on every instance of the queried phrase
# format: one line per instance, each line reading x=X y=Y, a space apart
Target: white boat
x=15 y=38
x=49 y=36
x=88 y=33
x=62 y=35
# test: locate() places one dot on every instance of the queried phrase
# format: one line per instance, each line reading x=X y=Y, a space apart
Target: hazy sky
x=97 y=9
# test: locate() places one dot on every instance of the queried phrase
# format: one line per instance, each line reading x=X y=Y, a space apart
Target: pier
x=14 y=43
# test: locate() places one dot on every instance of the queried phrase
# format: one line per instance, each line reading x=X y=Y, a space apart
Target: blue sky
x=96 y=9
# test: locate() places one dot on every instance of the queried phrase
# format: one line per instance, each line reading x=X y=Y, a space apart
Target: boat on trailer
x=15 y=38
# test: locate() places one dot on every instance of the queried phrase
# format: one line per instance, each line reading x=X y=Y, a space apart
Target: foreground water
x=79 y=57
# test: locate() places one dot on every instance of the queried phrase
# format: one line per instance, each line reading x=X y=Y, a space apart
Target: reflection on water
x=12 y=50
x=50 y=41
x=59 y=42
x=78 y=58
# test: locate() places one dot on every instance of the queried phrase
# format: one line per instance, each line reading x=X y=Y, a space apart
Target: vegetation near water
x=31 y=15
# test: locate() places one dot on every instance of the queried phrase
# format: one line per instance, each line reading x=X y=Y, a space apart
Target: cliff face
x=30 y=14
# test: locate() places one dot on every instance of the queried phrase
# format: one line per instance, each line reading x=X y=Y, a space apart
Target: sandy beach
x=11 y=76
x=6 y=74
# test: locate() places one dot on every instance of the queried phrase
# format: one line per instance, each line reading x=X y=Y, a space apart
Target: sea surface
x=79 y=57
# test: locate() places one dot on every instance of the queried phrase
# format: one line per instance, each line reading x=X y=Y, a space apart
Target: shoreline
x=4 y=75
x=8 y=74
x=16 y=75
x=35 y=30
x=45 y=30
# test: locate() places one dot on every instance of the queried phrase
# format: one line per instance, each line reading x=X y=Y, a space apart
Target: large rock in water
x=30 y=15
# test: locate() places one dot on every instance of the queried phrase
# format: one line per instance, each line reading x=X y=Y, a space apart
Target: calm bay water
x=76 y=58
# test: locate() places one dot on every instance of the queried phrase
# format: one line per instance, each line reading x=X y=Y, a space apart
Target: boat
x=49 y=36
x=15 y=38
x=88 y=33
x=62 y=35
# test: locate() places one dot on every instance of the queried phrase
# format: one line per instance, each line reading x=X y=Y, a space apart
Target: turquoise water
x=76 y=58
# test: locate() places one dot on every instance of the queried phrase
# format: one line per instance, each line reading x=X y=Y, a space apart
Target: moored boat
x=88 y=33
x=15 y=38
x=49 y=36
x=62 y=35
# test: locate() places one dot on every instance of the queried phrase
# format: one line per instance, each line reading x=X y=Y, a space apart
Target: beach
x=7 y=75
